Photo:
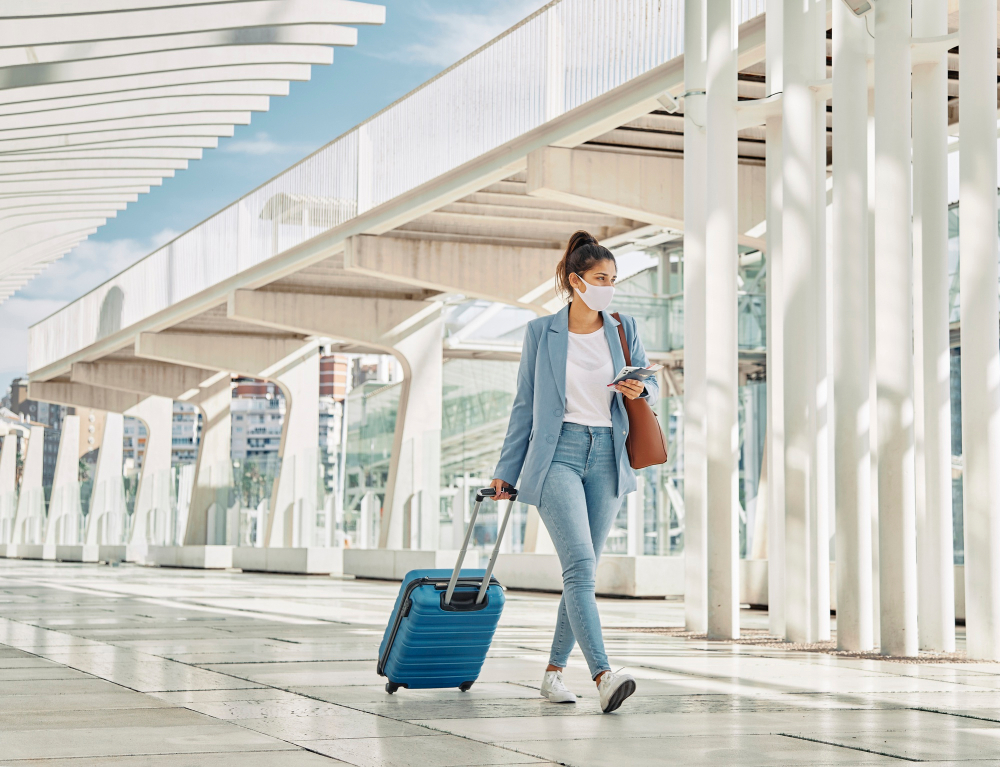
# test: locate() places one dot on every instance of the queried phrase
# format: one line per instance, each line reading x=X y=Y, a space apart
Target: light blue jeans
x=578 y=506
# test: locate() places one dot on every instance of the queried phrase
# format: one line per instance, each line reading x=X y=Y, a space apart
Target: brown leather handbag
x=646 y=444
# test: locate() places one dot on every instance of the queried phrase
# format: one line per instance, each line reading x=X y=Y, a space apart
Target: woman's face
x=602 y=274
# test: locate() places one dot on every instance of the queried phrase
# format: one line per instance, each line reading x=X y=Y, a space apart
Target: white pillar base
x=311 y=560
x=394 y=564
x=194 y=557
x=84 y=553
x=36 y=551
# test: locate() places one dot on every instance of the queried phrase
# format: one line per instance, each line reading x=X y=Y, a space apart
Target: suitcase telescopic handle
x=486 y=492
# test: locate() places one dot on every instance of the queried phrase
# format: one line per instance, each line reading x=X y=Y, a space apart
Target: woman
x=566 y=444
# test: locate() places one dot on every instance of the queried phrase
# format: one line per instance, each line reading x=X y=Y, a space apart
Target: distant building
x=257 y=422
x=134 y=443
x=184 y=433
x=252 y=388
x=333 y=371
x=51 y=416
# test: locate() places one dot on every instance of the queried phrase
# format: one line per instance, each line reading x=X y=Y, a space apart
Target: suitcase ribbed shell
x=433 y=646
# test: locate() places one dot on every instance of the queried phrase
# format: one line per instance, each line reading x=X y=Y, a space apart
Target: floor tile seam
x=270 y=661
x=773 y=688
x=109 y=680
x=61 y=665
x=852 y=748
x=295 y=691
x=233 y=750
x=958 y=714
x=111 y=594
x=415 y=723
x=502 y=746
x=297 y=745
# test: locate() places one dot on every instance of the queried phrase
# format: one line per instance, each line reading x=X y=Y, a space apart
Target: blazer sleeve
x=639 y=359
x=515 y=444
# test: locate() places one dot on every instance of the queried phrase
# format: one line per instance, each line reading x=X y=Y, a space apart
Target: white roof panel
x=95 y=110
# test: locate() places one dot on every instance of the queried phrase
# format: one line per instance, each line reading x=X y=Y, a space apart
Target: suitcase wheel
x=466 y=686
x=391 y=687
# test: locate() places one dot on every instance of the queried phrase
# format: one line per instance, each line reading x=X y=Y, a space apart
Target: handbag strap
x=621 y=335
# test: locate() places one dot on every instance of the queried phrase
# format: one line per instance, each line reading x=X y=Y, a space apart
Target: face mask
x=597 y=297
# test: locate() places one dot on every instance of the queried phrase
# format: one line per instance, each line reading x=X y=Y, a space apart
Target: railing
x=568 y=53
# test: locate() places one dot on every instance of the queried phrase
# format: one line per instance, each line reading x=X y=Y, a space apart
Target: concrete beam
x=631 y=186
x=254 y=356
x=374 y=322
x=638 y=187
x=142 y=377
x=504 y=273
x=82 y=395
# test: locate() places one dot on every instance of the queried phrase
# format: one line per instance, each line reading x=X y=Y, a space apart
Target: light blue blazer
x=537 y=415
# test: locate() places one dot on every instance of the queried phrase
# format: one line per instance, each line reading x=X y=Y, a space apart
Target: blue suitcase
x=443 y=621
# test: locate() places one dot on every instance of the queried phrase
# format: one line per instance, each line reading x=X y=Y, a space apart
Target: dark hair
x=582 y=253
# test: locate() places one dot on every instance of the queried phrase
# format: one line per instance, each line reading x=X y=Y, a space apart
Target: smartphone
x=628 y=373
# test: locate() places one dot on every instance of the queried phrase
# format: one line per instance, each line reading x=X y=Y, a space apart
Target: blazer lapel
x=558 y=349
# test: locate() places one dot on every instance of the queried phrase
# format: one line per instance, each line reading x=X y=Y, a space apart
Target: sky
x=419 y=39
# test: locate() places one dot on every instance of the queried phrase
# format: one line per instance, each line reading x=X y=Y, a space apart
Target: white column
x=8 y=486
x=695 y=469
x=850 y=331
x=107 y=513
x=293 y=497
x=775 y=445
x=415 y=465
x=28 y=524
x=894 y=329
x=153 y=494
x=980 y=341
x=721 y=272
x=64 y=521
x=932 y=381
x=214 y=468
x=822 y=511
x=872 y=383
x=635 y=509
x=804 y=59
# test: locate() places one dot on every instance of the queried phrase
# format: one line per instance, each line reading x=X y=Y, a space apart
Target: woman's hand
x=500 y=487
x=630 y=388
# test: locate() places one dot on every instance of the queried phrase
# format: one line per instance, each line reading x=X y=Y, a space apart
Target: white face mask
x=597 y=297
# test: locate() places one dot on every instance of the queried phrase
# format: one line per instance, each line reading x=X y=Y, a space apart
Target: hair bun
x=579 y=239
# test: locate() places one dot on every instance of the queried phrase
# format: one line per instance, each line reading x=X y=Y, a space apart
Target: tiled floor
x=133 y=666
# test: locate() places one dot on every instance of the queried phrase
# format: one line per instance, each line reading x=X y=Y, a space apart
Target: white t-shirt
x=589 y=370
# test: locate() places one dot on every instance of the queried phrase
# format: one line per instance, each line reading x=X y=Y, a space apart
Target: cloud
x=88 y=265
x=16 y=314
x=91 y=263
x=454 y=35
x=261 y=144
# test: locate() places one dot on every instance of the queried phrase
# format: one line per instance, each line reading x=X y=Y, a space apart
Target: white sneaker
x=614 y=688
x=554 y=689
